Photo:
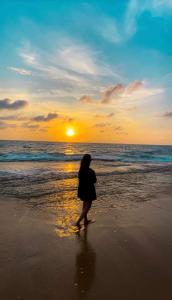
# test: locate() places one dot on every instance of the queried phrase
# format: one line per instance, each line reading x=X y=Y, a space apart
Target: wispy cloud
x=86 y=99
x=30 y=126
x=67 y=119
x=104 y=116
x=28 y=57
x=65 y=55
x=160 y=5
x=4 y=125
x=78 y=59
x=135 y=90
x=67 y=69
x=111 y=92
x=13 y=118
x=12 y=105
x=168 y=114
x=42 y=118
x=6 y=118
x=110 y=115
x=134 y=86
x=101 y=125
x=20 y=71
x=117 y=32
x=104 y=126
x=118 y=128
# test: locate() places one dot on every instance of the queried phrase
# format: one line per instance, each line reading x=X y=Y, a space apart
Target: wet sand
x=125 y=254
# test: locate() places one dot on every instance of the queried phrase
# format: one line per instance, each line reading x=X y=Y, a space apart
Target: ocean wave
x=57 y=156
x=37 y=156
x=18 y=151
x=44 y=175
x=34 y=183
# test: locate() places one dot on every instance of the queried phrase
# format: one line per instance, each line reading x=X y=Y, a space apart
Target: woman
x=86 y=188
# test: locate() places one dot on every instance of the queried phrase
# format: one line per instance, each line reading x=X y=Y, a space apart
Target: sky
x=100 y=67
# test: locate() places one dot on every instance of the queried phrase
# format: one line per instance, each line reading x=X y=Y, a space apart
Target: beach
x=124 y=254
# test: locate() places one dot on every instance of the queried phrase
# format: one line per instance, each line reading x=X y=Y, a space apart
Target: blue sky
x=97 y=57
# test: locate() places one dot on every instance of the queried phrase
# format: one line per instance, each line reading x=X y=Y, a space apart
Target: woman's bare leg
x=85 y=209
x=86 y=221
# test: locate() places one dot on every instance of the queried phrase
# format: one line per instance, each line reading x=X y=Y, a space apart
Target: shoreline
x=125 y=254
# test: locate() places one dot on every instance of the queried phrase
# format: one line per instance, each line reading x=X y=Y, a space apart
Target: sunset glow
x=110 y=82
x=70 y=132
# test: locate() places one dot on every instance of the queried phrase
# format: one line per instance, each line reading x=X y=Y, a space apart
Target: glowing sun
x=70 y=132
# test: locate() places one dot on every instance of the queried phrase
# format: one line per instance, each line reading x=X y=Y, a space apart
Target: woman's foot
x=86 y=222
x=78 y=225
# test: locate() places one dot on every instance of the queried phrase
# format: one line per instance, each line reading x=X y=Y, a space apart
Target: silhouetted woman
x=86 y=188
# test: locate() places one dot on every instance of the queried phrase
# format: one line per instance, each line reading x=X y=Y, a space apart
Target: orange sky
x=90 y=123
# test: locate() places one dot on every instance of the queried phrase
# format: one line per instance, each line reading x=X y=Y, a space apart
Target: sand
x=123 y=255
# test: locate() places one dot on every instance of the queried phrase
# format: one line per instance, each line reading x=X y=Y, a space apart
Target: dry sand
x=123 y=255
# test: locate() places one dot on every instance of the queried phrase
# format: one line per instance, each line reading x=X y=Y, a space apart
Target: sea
x=44 y=174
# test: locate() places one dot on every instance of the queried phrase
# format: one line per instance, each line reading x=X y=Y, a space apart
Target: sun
x=70 y=132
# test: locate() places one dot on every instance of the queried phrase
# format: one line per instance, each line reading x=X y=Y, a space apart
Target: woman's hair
x=85 y=161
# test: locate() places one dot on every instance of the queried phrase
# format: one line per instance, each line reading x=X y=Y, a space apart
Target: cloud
x=30 y=126
x=43 y=129
x=111 y=92
x=110 y=30
x=20 y=71
x=13 y=117
x=8 y=118
x=68 y=119
x=133 y=11
x=118 y=128
x=101 y=125
x=42 y=118
x=133 y=86
x=117 y=32
x=101 y=116
x=86 y=99
x=69 y=56
x=70 y=68
x=29 y=58
x=136 y=8
x=110 y=115
x=133 y=108
x=168 y=114
x=78 y=59
x=56 y=67
x=104 y=125
x=160 y=6
x=12 y=105
x=135 y=90
x=4 y=125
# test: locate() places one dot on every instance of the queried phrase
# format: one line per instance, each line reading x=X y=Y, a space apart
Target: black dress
x=86 y=188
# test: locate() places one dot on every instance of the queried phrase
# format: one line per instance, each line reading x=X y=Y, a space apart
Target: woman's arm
x=93 y=176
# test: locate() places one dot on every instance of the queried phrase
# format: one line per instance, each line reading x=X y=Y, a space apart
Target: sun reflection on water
x=64 y=204
x=69 y=150
x=70 y=167
x=67 y=214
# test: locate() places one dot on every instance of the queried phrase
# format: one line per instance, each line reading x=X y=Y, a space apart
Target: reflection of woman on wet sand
x=85 y=266
x=86 y=188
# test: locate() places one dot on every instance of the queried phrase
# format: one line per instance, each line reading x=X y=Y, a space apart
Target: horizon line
x=114 y=143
